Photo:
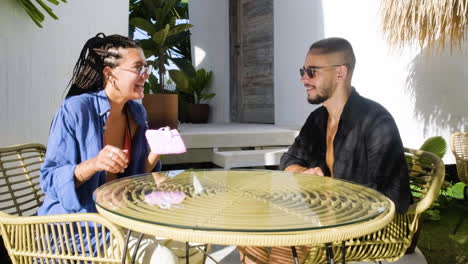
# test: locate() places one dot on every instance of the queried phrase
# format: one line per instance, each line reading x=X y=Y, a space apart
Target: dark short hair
x=333 y=45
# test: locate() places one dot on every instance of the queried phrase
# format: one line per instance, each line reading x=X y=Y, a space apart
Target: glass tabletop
x=240 y=200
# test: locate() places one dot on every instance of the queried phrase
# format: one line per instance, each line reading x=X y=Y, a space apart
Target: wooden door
x=251 y=61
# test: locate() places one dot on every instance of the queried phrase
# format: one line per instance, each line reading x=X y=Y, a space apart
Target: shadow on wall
x=438 y=84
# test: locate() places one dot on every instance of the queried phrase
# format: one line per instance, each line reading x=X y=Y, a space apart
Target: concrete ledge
x=248 y=158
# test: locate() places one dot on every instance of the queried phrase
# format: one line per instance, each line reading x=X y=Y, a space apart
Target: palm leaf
x=35 y=13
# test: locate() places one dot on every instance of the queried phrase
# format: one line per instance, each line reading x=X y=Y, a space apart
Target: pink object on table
x=165 y=141
x=165 y=199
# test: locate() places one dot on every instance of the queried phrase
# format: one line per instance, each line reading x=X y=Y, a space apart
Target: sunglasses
x=140 y=70
x=311 y=70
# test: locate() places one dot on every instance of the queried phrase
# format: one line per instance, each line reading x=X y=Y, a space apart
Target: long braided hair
x=97 y=53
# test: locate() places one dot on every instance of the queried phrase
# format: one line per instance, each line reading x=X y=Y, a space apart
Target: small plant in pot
x=193 y=87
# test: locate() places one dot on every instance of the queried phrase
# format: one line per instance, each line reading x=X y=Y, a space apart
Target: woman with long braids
x=98 y=133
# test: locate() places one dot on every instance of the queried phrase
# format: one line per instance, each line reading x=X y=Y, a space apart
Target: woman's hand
x=151 y=161
x=111 y=159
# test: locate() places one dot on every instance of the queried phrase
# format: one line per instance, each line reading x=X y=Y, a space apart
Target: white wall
x=425 y=92
x=296 y=27
x=210 y=50
x=36 y=64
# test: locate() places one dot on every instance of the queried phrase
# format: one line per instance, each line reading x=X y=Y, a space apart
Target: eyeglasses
x=312 y=69
x=140 y=70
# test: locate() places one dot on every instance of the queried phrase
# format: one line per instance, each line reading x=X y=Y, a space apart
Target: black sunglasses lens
x=310 y=72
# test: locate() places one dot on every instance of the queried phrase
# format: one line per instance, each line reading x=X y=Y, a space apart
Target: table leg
x=343 y=252
x=136 y=248
x=197 y=247
x=187 y=253
x=294 y=252
x=127 y=240
x=329 y=250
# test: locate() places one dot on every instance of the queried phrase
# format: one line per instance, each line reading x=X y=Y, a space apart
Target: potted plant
x=193 y=88
x=166 y=39
x=161 y=104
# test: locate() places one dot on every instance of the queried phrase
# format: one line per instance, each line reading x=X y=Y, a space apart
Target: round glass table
x=244 y=207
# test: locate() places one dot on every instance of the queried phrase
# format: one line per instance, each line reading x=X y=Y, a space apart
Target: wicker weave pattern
x=250 y=208
x=20 y=191
x=42 y=239
x=53 y=238
x=427 y=173
x=459 y=145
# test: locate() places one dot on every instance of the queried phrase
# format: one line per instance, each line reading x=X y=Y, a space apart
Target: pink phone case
x=165 y=141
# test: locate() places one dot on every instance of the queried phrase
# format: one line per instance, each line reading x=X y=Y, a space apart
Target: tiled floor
x=229 y=255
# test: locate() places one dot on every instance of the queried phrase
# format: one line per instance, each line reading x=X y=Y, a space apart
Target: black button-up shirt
x=367 y=149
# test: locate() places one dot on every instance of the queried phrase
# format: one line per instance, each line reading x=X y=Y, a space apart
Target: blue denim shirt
x=76 y=135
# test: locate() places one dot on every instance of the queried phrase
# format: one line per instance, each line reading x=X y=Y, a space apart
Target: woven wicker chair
x=20 y=190
x=427 y=173
x=459 y=146
x=52 y=238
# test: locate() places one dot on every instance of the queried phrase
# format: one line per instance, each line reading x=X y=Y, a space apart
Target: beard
x=318 y=99
x=323 y=92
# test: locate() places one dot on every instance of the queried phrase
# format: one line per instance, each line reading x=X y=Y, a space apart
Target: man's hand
x=314 y=171
x=298 y=168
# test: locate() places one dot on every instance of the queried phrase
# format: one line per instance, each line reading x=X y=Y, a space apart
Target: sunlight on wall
x=423 y=90
x=200 y=55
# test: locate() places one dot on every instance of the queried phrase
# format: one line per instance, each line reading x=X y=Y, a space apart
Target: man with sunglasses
x=349 y=137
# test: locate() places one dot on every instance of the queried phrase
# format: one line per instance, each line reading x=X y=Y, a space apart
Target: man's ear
x=342 y=72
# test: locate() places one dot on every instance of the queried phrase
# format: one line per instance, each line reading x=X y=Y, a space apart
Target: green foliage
x=157 y=19
x=194 y=84
x=436 y=145
x=449 y=192
x=152 y=86
x=35 y=13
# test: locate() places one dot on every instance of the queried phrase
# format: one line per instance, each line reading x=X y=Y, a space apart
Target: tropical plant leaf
x=208 y=96
x=457 y=190
x=179 y=28
x=143 y=24
x=160 y=36
x=181 y=81
x=47 y=9
x=436 y=145
x=55 y=2
x=167 y=37
x=166 y=10
x=35 y=13
x=185 y=66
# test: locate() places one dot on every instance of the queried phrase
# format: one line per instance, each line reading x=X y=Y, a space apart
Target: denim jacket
x=76 y=135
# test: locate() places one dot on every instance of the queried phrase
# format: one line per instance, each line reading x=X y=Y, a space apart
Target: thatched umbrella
x=426 y=22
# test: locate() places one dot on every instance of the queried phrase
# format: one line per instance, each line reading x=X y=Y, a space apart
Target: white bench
x=247 y=158
x=232 y=145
